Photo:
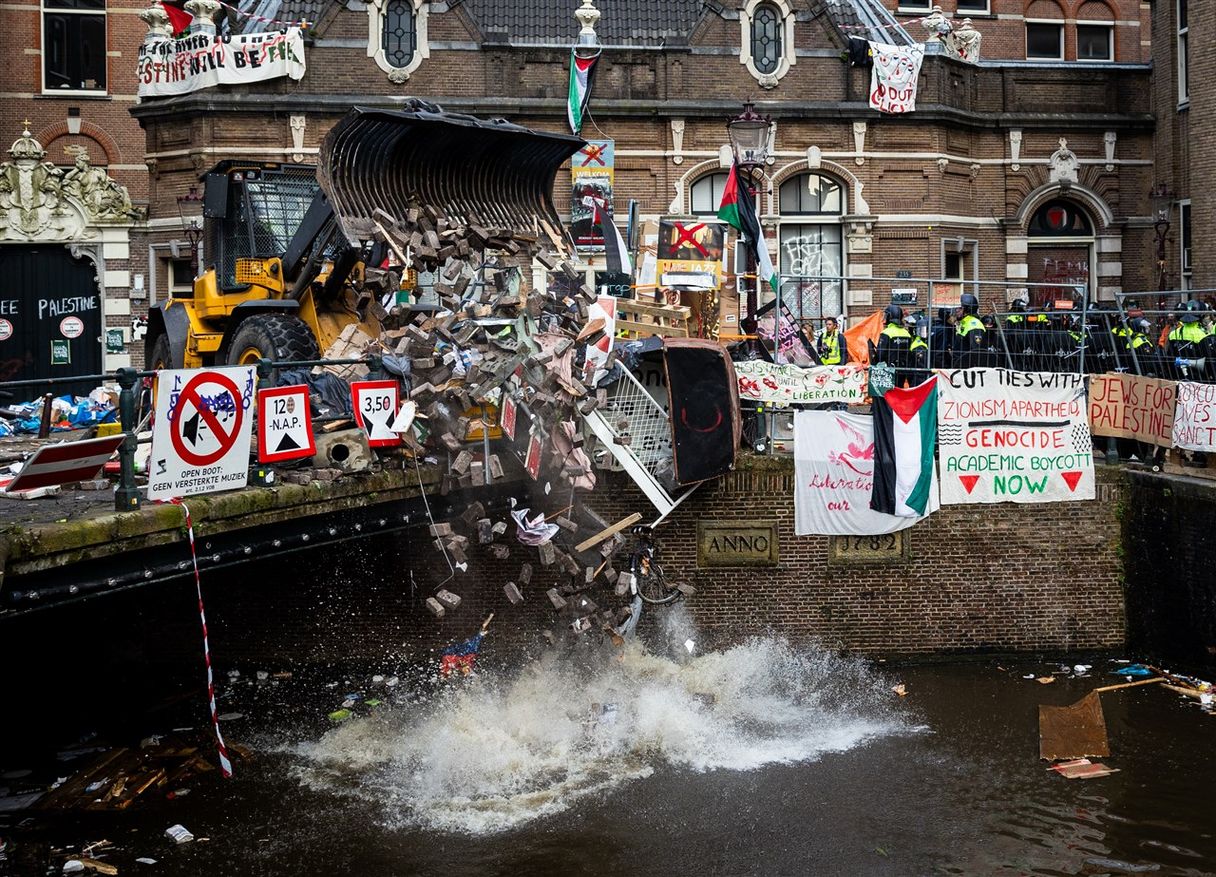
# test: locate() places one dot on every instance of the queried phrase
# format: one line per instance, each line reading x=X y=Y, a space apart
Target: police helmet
x=922 y=327
x=1141 y=324
x=969 y=302
x=894 y=313
x=1020 y=303
x=1190 y=312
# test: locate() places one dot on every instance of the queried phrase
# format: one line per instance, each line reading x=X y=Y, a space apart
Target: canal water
x=765 y=757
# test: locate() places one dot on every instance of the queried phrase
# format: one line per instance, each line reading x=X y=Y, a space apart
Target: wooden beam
x=609 y=532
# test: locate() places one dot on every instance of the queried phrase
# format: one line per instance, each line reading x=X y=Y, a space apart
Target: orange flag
x=869 y=329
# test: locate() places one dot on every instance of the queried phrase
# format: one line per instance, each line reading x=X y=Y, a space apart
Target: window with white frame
x=810 y=241
x=1095 y=42
x=397 y=36
x=1184 y=237
x=705 y=195
x=767 y=40
x=1045 y=40
x=179 y=276
x=73 y=46
x=974 y=7
x=915 y=5
x=1184 y=59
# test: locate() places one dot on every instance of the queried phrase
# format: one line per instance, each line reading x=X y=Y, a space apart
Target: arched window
x=1061 y=219
x=400 y=36
x=705 y=195
x=397 y=36
x=766 y=38
x=811 y=244
x=1061 y=247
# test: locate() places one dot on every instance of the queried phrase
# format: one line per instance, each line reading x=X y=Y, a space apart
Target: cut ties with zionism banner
x=1007 y=436
x=834 y=477
x=180 y=66
x=1195 y=417
x=1132 y=407
x=762 y=381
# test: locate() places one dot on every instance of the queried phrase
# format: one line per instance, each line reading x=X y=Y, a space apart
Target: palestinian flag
x=740 y=214
x=616 y=254
x=179 y=19
x=582 y=74
x=905 y=432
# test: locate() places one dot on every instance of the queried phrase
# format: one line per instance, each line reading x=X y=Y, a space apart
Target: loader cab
x=251 y=212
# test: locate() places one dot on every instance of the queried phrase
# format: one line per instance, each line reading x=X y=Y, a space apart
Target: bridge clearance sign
x=202 y=425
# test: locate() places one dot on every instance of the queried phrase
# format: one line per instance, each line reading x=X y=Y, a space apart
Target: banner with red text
x=1132 y=407
x=784 y=384
x=1195 y=417
x=180 y=66
x=834 y=477
x=1008 y=436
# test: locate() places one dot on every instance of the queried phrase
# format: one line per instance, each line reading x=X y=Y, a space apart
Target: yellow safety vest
x=831 y=345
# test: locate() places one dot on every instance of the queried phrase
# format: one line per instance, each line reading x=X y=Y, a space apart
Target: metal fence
x=1057 y=329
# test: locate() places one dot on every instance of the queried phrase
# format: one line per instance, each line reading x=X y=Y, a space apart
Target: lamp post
x=749 y=135
x=1162 y=200
x=190 y=211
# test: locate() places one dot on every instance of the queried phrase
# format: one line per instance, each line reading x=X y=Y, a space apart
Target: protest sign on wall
x=1007 y=436
x=1195 y=417
x=180 y=66
x=834 y=477
x=782 y=334
x=591 y=170
x=1132 y=407
x=762 y=381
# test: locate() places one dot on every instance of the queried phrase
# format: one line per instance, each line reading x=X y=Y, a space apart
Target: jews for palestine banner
x=905 y=432
x=834 y=477
x=1008 y=436
x=180 y=66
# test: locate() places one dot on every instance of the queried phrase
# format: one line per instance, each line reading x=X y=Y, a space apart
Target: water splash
x=491 y=753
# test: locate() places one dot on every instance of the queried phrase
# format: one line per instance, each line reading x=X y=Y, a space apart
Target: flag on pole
x=739 y=212
x=179 y=19
x=582 y=74
x=905 y=432
x=616 y=254
x=859 y=337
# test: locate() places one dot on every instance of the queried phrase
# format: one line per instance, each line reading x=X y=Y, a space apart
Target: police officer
x=1142 y=348
x=918 y=350
x=943 y=338
x=1186 y=340
x=971 y=339
x=831 y=345
x=895 y=343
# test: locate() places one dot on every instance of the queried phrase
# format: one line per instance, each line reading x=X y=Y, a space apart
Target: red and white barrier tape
x=263 y=19
x=225 y=764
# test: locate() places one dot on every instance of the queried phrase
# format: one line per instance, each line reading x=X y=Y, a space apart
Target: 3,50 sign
x=375 y=404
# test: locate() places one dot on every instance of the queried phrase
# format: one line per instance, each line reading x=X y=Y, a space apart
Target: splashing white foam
x=488 y=754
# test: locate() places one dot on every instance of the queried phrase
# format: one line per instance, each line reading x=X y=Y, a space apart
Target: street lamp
x=190 y=211
x=1162 y=200
x=749 y=135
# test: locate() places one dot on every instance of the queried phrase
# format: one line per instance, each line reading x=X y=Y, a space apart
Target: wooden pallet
x=638 y=319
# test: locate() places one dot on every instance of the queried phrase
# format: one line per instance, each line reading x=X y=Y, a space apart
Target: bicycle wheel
x=653 y=586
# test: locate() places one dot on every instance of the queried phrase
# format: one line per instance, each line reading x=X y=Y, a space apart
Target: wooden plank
x=610 y=531
x=644 y=330
x=632 y=306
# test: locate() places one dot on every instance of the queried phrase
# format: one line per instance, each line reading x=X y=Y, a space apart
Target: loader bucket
x=473 y=171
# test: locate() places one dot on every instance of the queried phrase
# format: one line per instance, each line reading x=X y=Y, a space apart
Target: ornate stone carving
x=376 y=14
x=860 y=235
x=1015 y=150
x=587 y=16
x=102 y=197
x=964 y=42
x=298 y=125
x=859 y=141
x=38 y=201
x=1064 y=165
x=1109 y=139
x=677 y=141
x=157 y=21
x=204 y=12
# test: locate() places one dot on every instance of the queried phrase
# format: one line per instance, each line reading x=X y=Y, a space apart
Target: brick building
x=973 y=186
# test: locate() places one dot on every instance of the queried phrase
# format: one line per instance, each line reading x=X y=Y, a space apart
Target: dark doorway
x=50 y=319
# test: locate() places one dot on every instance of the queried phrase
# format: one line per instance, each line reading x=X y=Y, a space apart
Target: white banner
x=834 y=477
x=180 y=66
x=762 y=381
x=201 y=428
x=1007 y=436
x=1195 y=417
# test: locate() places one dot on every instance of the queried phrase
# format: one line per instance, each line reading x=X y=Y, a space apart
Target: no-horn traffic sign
x=201 y=431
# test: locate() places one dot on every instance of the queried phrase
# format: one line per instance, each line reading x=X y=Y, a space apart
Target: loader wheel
x=272 y=336
x=161 y=355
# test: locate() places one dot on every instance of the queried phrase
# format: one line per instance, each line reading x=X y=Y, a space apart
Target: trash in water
x=1045 y=680
x=690 y=645
x=1099 y=865
x=340 y=715
x=145 y=860
x=178 y=834
x=1082 y=669
x=73 y=866
x=1083 y=769
x=231 y=717
x=900 y=689
x=1132 y=670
